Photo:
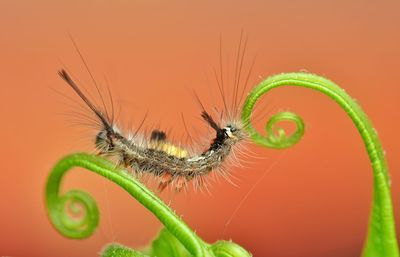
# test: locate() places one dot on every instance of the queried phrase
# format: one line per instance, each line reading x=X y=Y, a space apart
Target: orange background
x=313 y=202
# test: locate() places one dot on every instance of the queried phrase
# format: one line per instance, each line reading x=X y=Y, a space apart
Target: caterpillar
x=170 y=163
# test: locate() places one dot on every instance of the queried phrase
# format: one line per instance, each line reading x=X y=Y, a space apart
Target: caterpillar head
x=231 y=134
x=105 y=139
x=103 y=142
x=234 y=132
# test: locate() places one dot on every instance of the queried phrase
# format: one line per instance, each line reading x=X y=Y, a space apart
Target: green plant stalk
x=381 y=240
x=85 y=226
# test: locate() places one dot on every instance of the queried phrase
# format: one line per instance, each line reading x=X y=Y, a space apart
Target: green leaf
x=229 y=249
x=117 y=250
x=166 y=245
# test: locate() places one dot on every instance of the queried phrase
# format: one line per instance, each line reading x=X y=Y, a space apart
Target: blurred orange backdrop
x=315 y=199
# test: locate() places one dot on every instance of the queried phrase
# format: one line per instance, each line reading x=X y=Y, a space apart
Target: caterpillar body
x=172 y=164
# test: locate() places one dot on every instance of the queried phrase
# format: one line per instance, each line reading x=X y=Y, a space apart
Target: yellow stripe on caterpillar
x=168 y=148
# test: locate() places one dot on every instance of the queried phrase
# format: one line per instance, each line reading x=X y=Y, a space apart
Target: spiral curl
x=80 y=203
x=62 y=209
x=381 y=239
x=276 y=136
x=74 y=214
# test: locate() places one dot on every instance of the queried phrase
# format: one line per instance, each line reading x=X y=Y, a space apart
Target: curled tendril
x=56 y=204
x=83 y=212
x=74 y=214
x=381 y=240
x=62 y=209
x=276 y=136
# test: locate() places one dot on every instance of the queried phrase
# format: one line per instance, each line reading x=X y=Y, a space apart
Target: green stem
x=82 y=204
x=381 y=239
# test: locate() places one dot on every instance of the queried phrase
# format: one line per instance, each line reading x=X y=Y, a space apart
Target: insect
x=170 y=163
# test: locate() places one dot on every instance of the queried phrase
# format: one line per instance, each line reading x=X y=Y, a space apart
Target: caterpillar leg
x=165 y=180
x=100 y=152
x=180 y=183
x=126 y=161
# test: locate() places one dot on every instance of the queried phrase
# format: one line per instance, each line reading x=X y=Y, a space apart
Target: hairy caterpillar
x=170 y=163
